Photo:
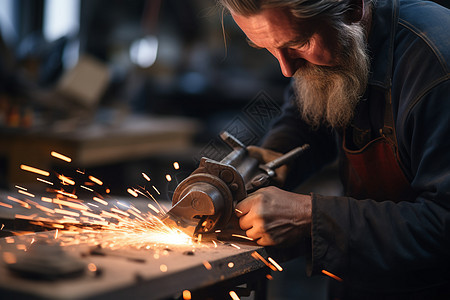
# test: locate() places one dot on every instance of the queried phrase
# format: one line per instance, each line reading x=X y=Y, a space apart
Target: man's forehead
x=275 y=26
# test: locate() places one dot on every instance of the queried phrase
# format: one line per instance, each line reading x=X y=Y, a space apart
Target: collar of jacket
x=381 y=42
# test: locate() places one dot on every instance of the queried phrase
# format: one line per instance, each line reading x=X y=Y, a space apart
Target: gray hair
x=301 y=9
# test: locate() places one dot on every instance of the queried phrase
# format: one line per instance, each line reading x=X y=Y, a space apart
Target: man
x=371 y=83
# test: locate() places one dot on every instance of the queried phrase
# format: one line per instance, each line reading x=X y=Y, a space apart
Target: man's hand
x=264 y=156
x=272 y=216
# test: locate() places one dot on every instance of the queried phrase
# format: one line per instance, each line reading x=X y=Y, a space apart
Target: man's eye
x=302 y=46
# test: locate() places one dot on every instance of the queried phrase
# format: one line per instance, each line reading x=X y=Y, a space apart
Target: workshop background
x=130 y=87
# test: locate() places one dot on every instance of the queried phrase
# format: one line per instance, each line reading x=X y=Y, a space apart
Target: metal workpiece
x=158 y=272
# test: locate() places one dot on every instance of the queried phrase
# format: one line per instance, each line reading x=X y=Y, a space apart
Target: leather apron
x=374 y=171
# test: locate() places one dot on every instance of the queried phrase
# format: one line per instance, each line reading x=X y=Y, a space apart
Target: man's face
x=292 y=42
x=329 y=66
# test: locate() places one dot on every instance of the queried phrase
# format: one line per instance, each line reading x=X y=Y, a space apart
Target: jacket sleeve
x=290 y=131
x=396 y=244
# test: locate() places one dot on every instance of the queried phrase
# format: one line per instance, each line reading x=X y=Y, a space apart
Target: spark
x=22 y=203
x=68 y=194
x=70 y=204
x=92 y=267
x=96 y=180
x=44 y=181
x=21 y=188
x=234 y=296
x=187 y=295
x=145 y=176
x=79 y=171
x=153 y=208
x=332 y=275
x=168 y=177
x=256 y=255
x=207 y=265
x=242 y=237
x=176 y=165
x=163 y=268
x=6 y=205
x=132 y=192
x=86 y=188
x=26 y=193
x=60 y=156
x=34 y=170
x=268 y=276
x=239 y=211
x=66 y=180
x=235 y=246
x=230 y=264
x=279 y=268
x=3 y=226
x=56 y=234
x=100 y=200
x=215 y=244
x=156 y=189
x=120 y=212
x=107 y=191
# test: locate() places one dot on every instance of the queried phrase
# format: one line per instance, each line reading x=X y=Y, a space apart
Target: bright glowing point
x=207 y=265
x=132 y=192
x=176 y=165
x=332 y=275
x=100 y=200
x=279 y=268
x=96 y=180
x=152 y=207
x=68 y=194
x=168 y=177
x=26 y=193
x=66 y=180
x=163 y=268
x=5 y=205
x=187 y=295
x=92 y=267
x=60 y=156
x=34 y=170
x=44 y=181
x=242 y=237
x=146 y=177
x=230 y=264
x=234 y=296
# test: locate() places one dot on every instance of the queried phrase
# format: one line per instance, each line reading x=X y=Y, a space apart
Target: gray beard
x=329 y=95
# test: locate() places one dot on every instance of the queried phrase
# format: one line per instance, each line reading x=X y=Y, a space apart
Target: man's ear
x=356 y=11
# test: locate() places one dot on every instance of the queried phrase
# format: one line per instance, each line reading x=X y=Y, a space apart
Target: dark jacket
x=386 y=246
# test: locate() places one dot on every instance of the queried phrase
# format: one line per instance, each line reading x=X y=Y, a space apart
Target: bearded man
x=370 y=86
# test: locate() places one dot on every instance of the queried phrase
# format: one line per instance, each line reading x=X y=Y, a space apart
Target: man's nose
x=288 y=65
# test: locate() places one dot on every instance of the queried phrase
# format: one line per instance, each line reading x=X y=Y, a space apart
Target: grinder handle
x=286 y=158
